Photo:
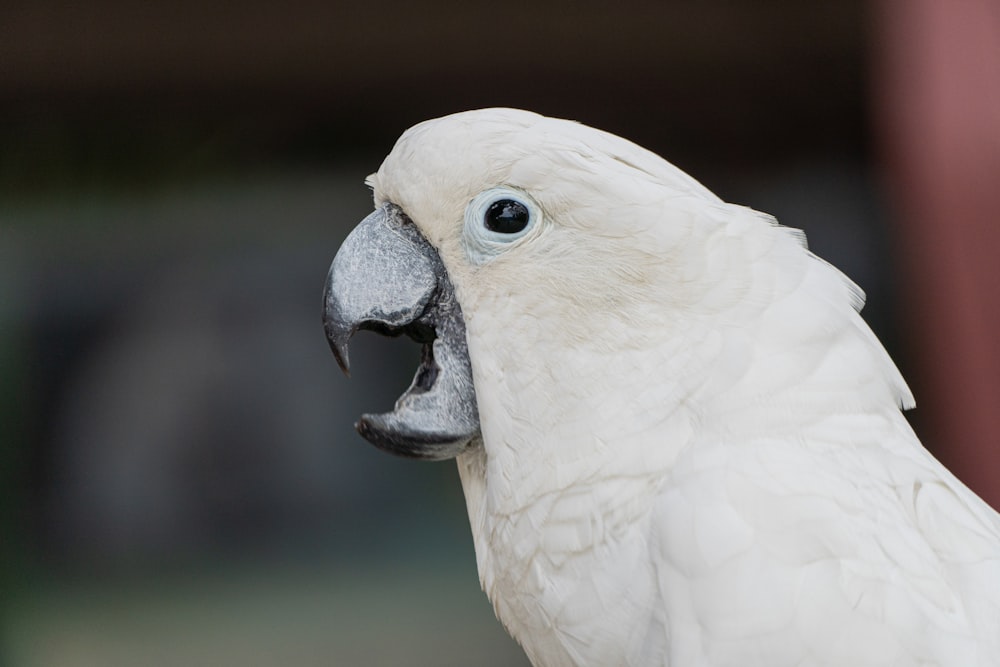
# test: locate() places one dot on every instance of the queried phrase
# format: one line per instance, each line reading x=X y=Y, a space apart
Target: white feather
x=692 y=447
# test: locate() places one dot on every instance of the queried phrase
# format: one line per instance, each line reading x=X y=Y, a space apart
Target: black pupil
x=507 y=216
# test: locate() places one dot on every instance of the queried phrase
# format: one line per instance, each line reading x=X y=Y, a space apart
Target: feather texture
x=693 y=451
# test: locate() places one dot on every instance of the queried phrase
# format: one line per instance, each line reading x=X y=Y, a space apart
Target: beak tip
x=338 y=337
x=345 y=366
x=339 y=349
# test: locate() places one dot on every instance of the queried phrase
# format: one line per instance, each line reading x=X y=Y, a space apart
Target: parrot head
x=536 y=228
x=558 y=276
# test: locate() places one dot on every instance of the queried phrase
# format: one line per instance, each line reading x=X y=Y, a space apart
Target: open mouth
x=436 y=417
x=388 y=279
x=421 y=333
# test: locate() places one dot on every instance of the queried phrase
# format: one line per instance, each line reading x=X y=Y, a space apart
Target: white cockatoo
x=679 y=442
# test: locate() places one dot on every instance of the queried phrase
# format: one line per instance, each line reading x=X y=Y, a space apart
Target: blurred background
x=181 y=480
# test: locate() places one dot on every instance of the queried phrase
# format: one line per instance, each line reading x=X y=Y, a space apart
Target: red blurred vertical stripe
x=937 y=95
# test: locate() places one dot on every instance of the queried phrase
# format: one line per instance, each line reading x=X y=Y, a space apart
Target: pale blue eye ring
x=498 y=219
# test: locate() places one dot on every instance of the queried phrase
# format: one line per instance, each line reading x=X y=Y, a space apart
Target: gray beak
x=387 y=278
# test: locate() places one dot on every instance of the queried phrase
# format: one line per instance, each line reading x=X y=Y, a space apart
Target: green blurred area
x=355 y=615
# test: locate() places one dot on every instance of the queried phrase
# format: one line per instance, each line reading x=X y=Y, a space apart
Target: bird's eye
x=506 y=216
x=497 y=219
